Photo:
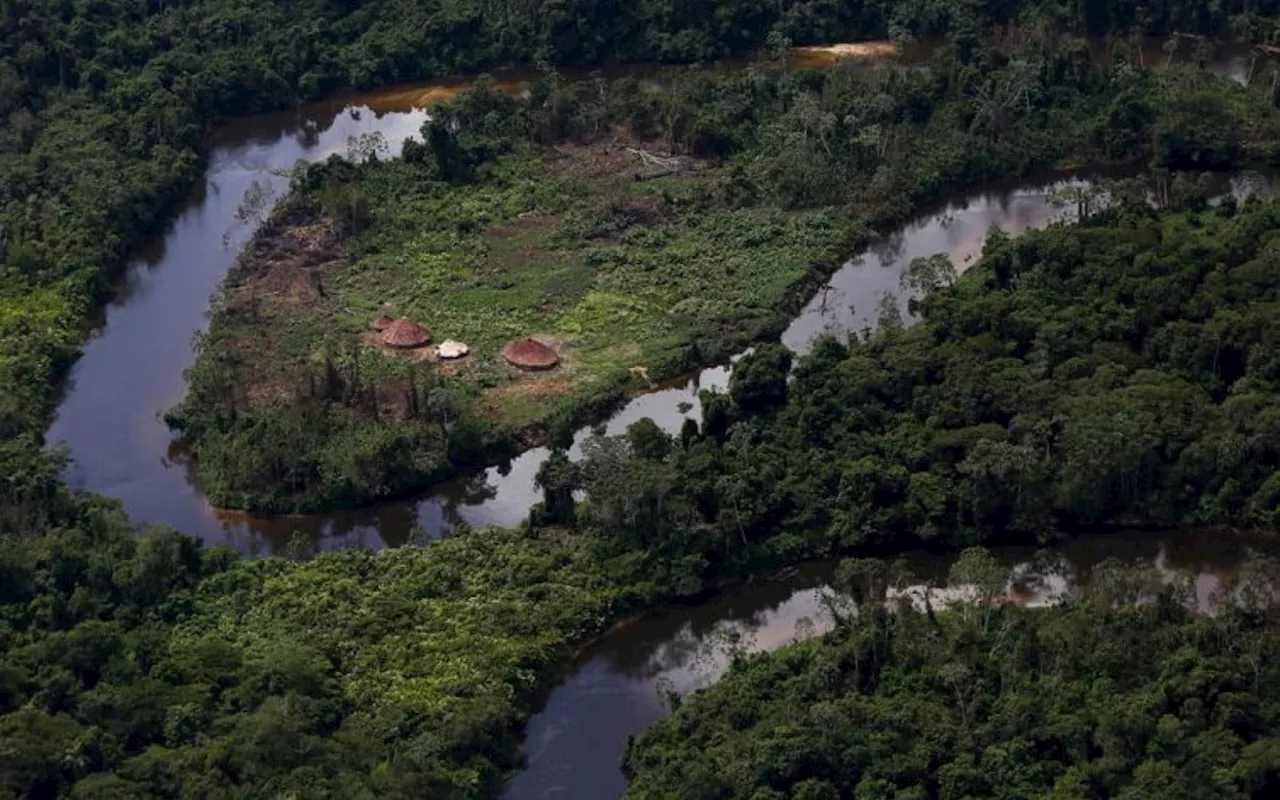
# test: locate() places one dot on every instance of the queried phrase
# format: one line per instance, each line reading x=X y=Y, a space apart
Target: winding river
x=617 y=688
x=132 y=370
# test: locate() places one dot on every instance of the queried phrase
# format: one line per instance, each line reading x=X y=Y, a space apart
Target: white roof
x=452 y=349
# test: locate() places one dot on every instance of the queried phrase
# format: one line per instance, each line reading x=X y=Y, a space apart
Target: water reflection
x=132 y=367
x=574 y=744
x=849 y=302
x=115 y=458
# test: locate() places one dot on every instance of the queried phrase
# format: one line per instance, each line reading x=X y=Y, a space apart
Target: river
x=617 y=687
x=132 y=370
x=129 y=376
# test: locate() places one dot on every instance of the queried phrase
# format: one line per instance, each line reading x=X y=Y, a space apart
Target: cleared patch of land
x=625 y=259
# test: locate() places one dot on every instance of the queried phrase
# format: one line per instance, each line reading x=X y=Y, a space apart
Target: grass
x=617 y=274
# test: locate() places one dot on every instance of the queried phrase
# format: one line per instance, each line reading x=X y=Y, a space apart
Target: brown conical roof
x=381 y=323
x=405 y=333
x=530 y=354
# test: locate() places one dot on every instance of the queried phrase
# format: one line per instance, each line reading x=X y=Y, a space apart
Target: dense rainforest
x=107 y=105
x=489 y=231
x=135 y=663
x=1121 y=370
x=1094 y=698
x=152 y=667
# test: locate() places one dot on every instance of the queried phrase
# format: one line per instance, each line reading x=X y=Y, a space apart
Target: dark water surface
x=617 y=688
x=132 y=369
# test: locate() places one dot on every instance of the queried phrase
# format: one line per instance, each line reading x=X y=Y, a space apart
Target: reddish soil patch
x=284 y=265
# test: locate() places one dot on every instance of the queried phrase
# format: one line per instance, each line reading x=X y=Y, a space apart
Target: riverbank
x=629 y=281
x=138 y=665
x=989 y=697
x=624 y=683
x=410 y=672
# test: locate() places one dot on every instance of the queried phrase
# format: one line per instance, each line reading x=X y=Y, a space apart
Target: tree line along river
x=132 y=370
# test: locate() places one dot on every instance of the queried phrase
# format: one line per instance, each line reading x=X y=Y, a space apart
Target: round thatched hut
x=405 y=333
x=530 y=354
x=381 y=323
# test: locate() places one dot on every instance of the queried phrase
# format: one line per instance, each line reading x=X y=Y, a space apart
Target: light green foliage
x=1120 y=371
x=153 y=668
x=159 y=669
x=484 y=233
x=658 y=275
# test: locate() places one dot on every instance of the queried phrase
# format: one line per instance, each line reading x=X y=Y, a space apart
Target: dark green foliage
x=1118 y=371
x=149 y=667
x=759 y=380
x=809 y=161
x=1092 y=699
x=104 y=107
x=559 y=478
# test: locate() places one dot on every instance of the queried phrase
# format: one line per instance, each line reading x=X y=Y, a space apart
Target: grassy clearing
x=623 y=277
x=616 y=273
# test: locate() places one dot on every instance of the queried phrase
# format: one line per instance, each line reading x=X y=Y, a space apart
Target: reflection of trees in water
x=389 y=524
x=888 y=250
x=687 y=643
x=693 y=660
x=689 y=648
x=308 y=136
x=672 y=643
x=677 y=640
x=1200 y=561
x=467 y=490
x=384 y=525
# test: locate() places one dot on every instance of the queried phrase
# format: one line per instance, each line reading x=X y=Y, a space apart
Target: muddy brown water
x=132 y=368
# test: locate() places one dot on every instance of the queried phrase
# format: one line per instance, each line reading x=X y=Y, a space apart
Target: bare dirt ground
x=285 y=266
x=282 y=278
x=620 y=154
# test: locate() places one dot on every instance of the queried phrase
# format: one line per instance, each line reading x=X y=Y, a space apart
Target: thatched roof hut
x=381 y=323
x=530 y=354
x=405 y=333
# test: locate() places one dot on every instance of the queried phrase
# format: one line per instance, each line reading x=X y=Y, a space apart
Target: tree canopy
x=1088 y=699
x=1122 y=371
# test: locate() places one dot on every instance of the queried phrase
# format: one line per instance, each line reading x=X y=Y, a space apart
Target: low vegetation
x=527 y=217
x=1119 y=371
x=630 y=281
